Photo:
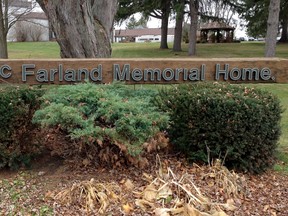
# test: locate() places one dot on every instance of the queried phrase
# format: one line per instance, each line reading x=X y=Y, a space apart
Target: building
x=20 y=4
x=30 y=25
x=142 y=35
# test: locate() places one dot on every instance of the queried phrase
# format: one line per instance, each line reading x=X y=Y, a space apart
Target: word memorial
x=133 y=71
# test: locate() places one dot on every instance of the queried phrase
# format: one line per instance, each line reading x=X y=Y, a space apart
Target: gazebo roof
x=216 y=26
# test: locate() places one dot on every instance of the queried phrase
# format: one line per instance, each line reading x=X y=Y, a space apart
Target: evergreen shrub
x=18 y=143
x=101 y=121
x=237 y=124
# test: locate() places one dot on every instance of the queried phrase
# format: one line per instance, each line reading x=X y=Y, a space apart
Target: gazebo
x=215 y=32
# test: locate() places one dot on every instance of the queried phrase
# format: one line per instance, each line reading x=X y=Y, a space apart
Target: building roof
x=215 y=26
x=140 y=32
x=35 y=15
x=20 y=3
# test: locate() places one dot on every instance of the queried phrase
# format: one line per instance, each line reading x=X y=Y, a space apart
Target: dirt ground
x=45 y=189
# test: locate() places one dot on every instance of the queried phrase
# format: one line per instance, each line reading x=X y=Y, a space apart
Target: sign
x=143 y=71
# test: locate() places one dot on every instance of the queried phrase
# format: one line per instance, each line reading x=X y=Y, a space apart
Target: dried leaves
x=89 y=195
x=230 y=183
x=174 y=189
x=171 y=194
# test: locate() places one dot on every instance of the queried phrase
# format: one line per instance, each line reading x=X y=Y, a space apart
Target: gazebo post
x=227 y=36
x=218 y=36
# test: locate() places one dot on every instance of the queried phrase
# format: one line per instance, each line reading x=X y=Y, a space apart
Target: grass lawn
x=281 y=90
x=150 y=50
x=41 y=50
x=29 y=50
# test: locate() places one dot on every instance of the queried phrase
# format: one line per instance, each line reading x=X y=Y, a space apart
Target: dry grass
x=89 y=195
x=169 y=194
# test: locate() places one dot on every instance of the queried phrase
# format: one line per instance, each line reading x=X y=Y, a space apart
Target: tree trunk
x=3 y=46
x=3 y=31
x=284 y=35
x=100 y=9
x=272 y=28
x=82 y=27
x=194 y=5
x=179 y=28
x=164 y=25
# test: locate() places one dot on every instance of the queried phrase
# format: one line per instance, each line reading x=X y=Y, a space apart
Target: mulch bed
x=34 y=191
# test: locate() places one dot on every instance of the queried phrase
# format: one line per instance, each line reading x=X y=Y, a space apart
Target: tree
x=28 y=31
x=165 y=11
x=10 y=12
x=284 y=21
x=255 y=12
x=194 y=8
x=158 y=9
x=284 y=34
x=134 y=24
x=272 y=28
x=218 y=10
x=215 y=10
x=82 y=28
x=179 y=8
x=127 y=8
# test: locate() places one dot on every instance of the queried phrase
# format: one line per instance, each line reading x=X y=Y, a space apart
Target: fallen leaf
x=86 y=162
x=49 y=195
x=100 y=142
x=164 y=192
x=230 y=205
x=266 y=207
x=221 y=213
x=161 y=212
x=191 y=211
x=147 y=177
x=211 y=184
x=129 y=185
x=143 y=204
x=150 y=193
x=127 y=208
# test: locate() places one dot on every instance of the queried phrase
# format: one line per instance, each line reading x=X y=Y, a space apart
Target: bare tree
x=28 y=31
x=10 y=12
x=218 y=10
x=21 y=33
x=272 y=28
x=35 y=31
x=82 y=28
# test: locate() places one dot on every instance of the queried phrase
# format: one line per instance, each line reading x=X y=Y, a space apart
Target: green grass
x=281 y=90
x=50 y=50
x=225 y=50
x=30 y=50
x=40 y=50
x=282 y=166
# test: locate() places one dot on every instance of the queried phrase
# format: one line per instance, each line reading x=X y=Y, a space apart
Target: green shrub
x=96 y=117
x=234 y=123
x=17 y=139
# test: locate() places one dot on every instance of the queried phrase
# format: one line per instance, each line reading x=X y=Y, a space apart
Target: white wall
x=148 y=38
x=153 y=38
